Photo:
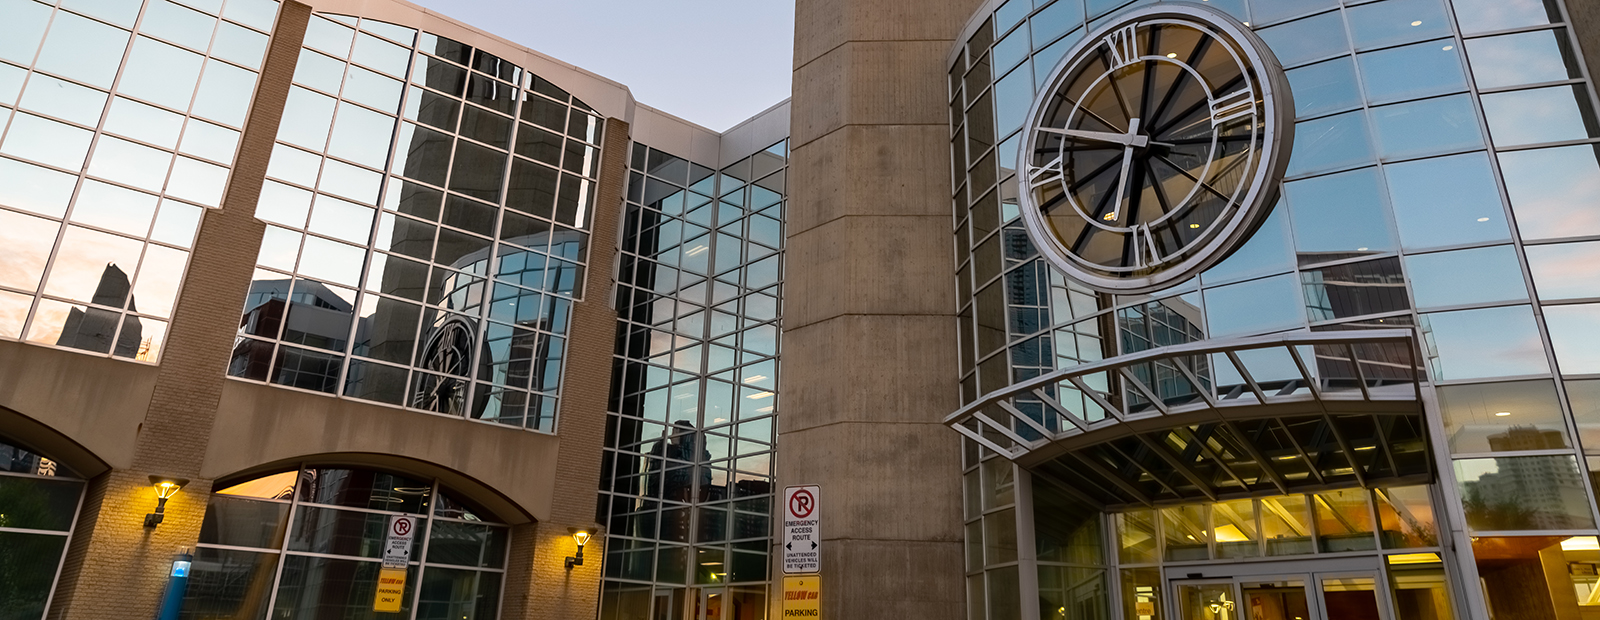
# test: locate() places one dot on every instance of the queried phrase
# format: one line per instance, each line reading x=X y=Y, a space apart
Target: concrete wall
x=870 y=361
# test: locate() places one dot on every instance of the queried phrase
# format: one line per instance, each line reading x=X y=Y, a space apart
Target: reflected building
x=93 y=328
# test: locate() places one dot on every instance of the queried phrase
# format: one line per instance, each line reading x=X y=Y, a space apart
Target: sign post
x=396 y=553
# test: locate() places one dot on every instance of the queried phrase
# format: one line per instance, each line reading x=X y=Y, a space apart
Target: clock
x=1155 y=148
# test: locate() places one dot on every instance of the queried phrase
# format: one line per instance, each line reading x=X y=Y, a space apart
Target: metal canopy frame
x=1216 y=419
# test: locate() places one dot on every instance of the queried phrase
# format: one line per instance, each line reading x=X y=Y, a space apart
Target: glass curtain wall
x=1442 y=158
x=39 y=500
x=309 y=543
x=687 y=480
x=428 y=206
x=120 y=120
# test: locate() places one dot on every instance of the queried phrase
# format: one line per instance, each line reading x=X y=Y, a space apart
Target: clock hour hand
x=1130 y=139
x=1127 y=160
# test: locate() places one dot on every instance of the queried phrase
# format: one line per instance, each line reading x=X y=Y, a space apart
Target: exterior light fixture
x=166 y=487
x=580 y=536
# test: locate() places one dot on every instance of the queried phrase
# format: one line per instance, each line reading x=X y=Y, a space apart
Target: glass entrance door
x=1310 y=596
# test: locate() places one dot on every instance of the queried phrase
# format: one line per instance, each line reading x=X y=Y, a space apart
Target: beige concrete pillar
x=870 y=359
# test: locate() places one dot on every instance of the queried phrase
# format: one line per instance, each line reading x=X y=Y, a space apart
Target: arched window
x=322 y=542
x=39 y=501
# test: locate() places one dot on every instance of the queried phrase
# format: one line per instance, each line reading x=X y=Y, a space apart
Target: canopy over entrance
x=1217 y=419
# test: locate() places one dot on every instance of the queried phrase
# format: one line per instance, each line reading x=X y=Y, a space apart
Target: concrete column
x=116 y=567
x=870 y=358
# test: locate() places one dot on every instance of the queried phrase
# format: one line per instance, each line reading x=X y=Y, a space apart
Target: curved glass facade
x=1440 y=152
x=687 y=476
x=122 y=120
x=310 y=543
x=39 y=500
x=428 y=206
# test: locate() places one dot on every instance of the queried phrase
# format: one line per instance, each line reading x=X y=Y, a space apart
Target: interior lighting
x=696 y=250
x=1361 y=249
x=1581 y=543
x=759 y=395
x=1172 y=55
x=1230 y=533
x=1417 y=23
x=580 y=536
x=165 y=488
x=1483 y=219
x=755 y=378
x=1502 y=414
x=1413 y=558
x=1449 y=47
x=1194 y=226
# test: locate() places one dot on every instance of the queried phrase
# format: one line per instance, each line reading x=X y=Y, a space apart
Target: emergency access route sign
x=802 y=537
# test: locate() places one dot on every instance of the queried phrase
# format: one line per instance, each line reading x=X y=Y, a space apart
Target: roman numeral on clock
x=1143 y=246
x=1052 y=172
x=1237 y=104
x=1123 y=44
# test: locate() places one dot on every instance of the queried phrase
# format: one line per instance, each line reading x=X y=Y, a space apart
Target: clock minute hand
x=1129 y=139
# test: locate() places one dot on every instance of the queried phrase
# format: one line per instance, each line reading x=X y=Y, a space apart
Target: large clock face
x=1155 y=148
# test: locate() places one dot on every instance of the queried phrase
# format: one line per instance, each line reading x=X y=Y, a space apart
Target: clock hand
x=1127 y=161
x=1129 y=139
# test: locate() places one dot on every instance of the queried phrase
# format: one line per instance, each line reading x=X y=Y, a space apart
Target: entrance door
x=1311 y=596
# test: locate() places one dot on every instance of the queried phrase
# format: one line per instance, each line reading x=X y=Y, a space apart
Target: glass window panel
x=1355 y=289
x=64 y=100
x=82 y=49
x=1540 y=115
x=353 y=182
x=11 y=78
x=258 y=14
x=241 y=45
x=412 y=199
x=145 y=123
x=283 y=204
x=1331 y=143
x=1325 y=87
x=1475 y=16
x=1492 y=342
x=1405 y=518
x=1523 y=493
x=486 y=127
x=381 y=55
x=93 y=266
x=177 y=24
x=32 y=188
x=1575 y=331
x=210 y=6
x=553 y=115
x=539 y=144
x=387 y=328
x=492 y=94
x=224 y=94
x=1382 y=24
x=155 y=292
x=115 y=208
x=279 y=247
x=332 y=261
x=28 y=241
x=1259 y=306
x=1551 y=189
x=1268 y=11
x=1186 y=533
x=361 y=135
x=1502 y=417
x=1234 y=529
x=310 y=584
x=1286 y=525
x=23 y=29
x=1432 y=68
x=1584 y=396
x=176 y=223
x=319 y=71
x=229 y=583
x=1055 y=21
x=312 y=116
x=1479 y=275
x=1344 y=521
x=1427 y=127
x=1306 y=40
x=329 y=36
x=422 y=154
x=1446 y=201
x=368 y=88
x=213 y=142
x=1339 y=215
x=196 y=181
x=160 y=73
x=477 y=171
x=1565 y=271
x=1523 y=58
x=342 y=220
x=47 y=142
x=1267 y=251
x=35 y=504
x=433 y=109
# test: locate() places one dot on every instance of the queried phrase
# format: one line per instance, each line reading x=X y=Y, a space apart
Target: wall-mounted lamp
x=166 y=487
x=580 y=536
